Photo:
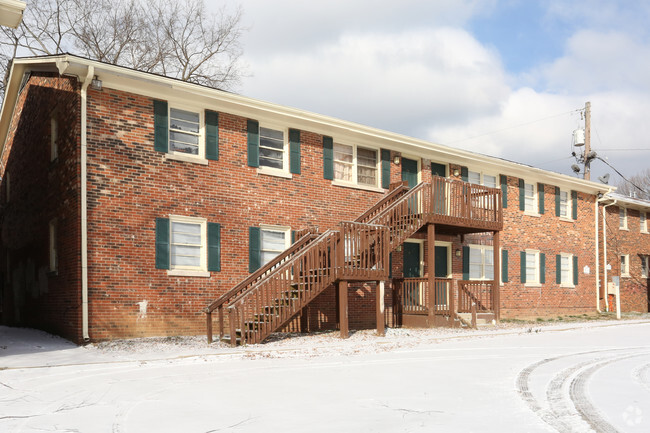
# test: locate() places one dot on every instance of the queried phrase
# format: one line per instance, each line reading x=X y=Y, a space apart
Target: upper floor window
x=643 y=223
x=184 y=131
x=272 y=148
x=622 y=218
x=479 y=178
x=529 y=197
x=481 y=262
x=565 y=204
x=355 y=164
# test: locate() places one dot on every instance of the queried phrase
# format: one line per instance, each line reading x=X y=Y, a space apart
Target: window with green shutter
x=385 y=168
x=253 y=140
x=211 y=135
x=214 y=247
x=328 y=158
x=504 y=190
x=254 y=249
x=294 y=151
x=161 y=126
x=466 y=254
x=542 y=268
x=504 y=266
x=574 y=204
x=162 y=243
x=575 y=270
x=540 y=197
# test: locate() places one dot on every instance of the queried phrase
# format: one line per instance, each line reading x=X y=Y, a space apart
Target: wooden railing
x=460 y=203
x=406 y=215
x=478 y=293
x=414 y=296
x=302 y=239
x=363 y=254
x=397 y=190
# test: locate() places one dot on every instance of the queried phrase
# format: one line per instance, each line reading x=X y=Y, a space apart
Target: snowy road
x=592 y=377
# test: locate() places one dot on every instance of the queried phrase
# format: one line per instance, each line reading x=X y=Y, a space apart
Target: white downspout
x=597 y=258
x=605 y=254
x=84 y=204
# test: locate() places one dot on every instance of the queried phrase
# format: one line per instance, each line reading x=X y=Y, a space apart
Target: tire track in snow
x=557 y=409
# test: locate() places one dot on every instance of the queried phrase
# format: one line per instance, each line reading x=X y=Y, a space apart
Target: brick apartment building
x=131 y=202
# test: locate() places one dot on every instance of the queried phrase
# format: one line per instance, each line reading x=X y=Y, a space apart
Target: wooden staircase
x=358 y=250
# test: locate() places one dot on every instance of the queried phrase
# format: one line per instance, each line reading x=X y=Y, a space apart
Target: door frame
x=449 y=246
x=418 y=160
x=421 y=244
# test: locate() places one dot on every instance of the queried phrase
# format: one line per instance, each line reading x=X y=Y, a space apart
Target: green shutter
x=558 y=269
x=294 y=151
x=542 y=268
x=254 y=249
x=575 y=270
x=522 y=195
x=465 y=262
x=504 y=190
x=504 y=266
x=162 y=243
x=160 y=127
x=211 y=135
x=557 y=201
x=464 y=174
x=328 y=158
x=522 y=265
x=293 y=237
x=540 y=196
x=214 y=247
x=253 y=129
x=385 y=168
x=574 y=204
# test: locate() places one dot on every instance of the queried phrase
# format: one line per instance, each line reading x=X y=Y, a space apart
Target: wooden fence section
x=415 y=298
x=364 y=252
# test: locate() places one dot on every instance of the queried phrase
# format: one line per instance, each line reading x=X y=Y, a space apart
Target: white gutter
x=84 y=204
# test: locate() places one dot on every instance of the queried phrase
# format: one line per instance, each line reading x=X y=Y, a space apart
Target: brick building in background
x=132 y=202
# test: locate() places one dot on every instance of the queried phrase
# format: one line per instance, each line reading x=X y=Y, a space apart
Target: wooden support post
x=221 y=328
x=343 y=308
x=381 y=328
x=208 y=318
x=431 y=267
x=473 y=311
x=496 y=286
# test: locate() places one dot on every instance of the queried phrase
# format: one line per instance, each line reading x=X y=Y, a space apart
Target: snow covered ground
x=580 y=376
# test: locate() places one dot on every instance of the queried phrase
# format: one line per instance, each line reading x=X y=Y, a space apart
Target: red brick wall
x=42 y=190
x=634 y=243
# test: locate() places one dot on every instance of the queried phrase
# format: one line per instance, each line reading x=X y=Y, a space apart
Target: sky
x=506 y=78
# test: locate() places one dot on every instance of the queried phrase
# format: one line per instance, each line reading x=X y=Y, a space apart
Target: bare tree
x=637 y=187
x=180 y=39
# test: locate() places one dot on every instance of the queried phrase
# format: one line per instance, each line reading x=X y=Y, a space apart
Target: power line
x=514 y=126
x=621 y=174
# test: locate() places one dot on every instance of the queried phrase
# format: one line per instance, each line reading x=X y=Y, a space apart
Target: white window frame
x=643 y=222
x=481 y=178
x=54 y=137
x=534 y=210
x=203 y=257
x=271 y=228
x=200 y=134
x=622 y=218
x=535 y=282
x=355 y=168
x=567 y=204
x=569 y=261
x=485 y=251
x=625 y=265
x=264 y=169
x=645 y=266
x=53 y=251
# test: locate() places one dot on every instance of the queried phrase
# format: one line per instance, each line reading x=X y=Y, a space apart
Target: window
x=566 y=270
x=645 y=266
x=529 y=196
x=272 y=148
x=643 y=222
x=54 y=258
x=187 y=242
x=274 y=240
x=564 y=204
x=622 y=218
x=54 y=136
x=478 y=178
x=625 y=265
x=357 y=165
x=184 y=132
x=481 y=262
x=533 y=267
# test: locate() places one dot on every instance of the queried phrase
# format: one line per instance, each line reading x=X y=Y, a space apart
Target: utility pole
x=587 y=174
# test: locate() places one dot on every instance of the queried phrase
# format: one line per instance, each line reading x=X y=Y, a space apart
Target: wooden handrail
x=259 y=273
x=399 y=189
